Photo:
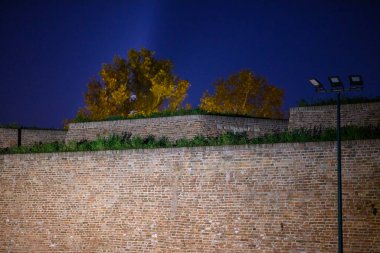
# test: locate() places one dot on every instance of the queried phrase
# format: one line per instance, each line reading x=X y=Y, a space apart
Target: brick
x=8 y=137
x=363 y=114
x=176 y=127
x=30 y=137
x=255 y=198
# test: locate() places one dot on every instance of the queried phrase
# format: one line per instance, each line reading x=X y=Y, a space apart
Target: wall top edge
x=258 y=147
x=46 y=130
x=34 y=129
x=321 y=107
x=175 y=118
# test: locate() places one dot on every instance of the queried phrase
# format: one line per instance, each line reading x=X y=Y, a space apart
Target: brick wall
x=325 y=116
x=259 y=198
x=8 y=137
x=29 y=137
x=175 y=127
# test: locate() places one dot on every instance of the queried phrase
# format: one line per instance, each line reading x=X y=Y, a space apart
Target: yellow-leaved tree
x=246 y=94
x=140 y=84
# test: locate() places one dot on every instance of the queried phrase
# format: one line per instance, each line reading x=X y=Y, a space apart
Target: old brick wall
x=8 y=137
x=29 y=137
x=175 y=127
x=259 y=198
x=364 y=114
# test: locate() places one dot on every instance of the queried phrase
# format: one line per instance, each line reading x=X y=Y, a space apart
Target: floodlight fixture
x=336 y=84
x=317 y=84
x=356 y=82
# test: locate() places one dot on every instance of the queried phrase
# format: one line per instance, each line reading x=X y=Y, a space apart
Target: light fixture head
x=336 y=83
x=356 y=82
x=317 y=84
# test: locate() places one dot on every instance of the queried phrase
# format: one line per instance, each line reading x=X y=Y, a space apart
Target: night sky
x=51 y=49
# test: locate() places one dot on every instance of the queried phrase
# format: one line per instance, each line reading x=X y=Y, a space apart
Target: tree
x=140 y=84
x=246 y=94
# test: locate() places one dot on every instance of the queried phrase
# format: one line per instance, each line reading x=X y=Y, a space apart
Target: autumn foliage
x=140 y=84
x=245 y=94
x=143 y=85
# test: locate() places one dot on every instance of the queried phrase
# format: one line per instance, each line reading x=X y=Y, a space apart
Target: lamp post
x=356 y=84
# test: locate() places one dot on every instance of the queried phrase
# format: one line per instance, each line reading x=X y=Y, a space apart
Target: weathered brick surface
x=262 y=198
x=175 y=127
x=364 y=114
x=8 y=137
x=29 y=137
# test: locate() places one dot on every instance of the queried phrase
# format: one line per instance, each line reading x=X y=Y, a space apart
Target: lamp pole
x=356 y=83
x=339 y=162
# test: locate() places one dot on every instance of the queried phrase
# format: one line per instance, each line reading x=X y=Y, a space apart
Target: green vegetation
x=165 y=113
x=128 y=142
x=344 y=100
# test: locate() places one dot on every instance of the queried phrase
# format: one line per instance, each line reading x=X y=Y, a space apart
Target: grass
x=344 y=100
x=165 y=113
x=128 y=142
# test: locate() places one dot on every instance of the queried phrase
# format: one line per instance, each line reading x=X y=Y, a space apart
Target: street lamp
x=336 y=84
x=318 y=85
x=356 y=83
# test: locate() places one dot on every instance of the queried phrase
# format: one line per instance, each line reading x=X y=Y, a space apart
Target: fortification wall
x=175 y=127
x=29 y=137
x=364 y=114
x=8 y=137
x=259 y=198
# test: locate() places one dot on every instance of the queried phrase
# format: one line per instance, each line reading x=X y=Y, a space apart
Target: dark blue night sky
x=51 y=49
